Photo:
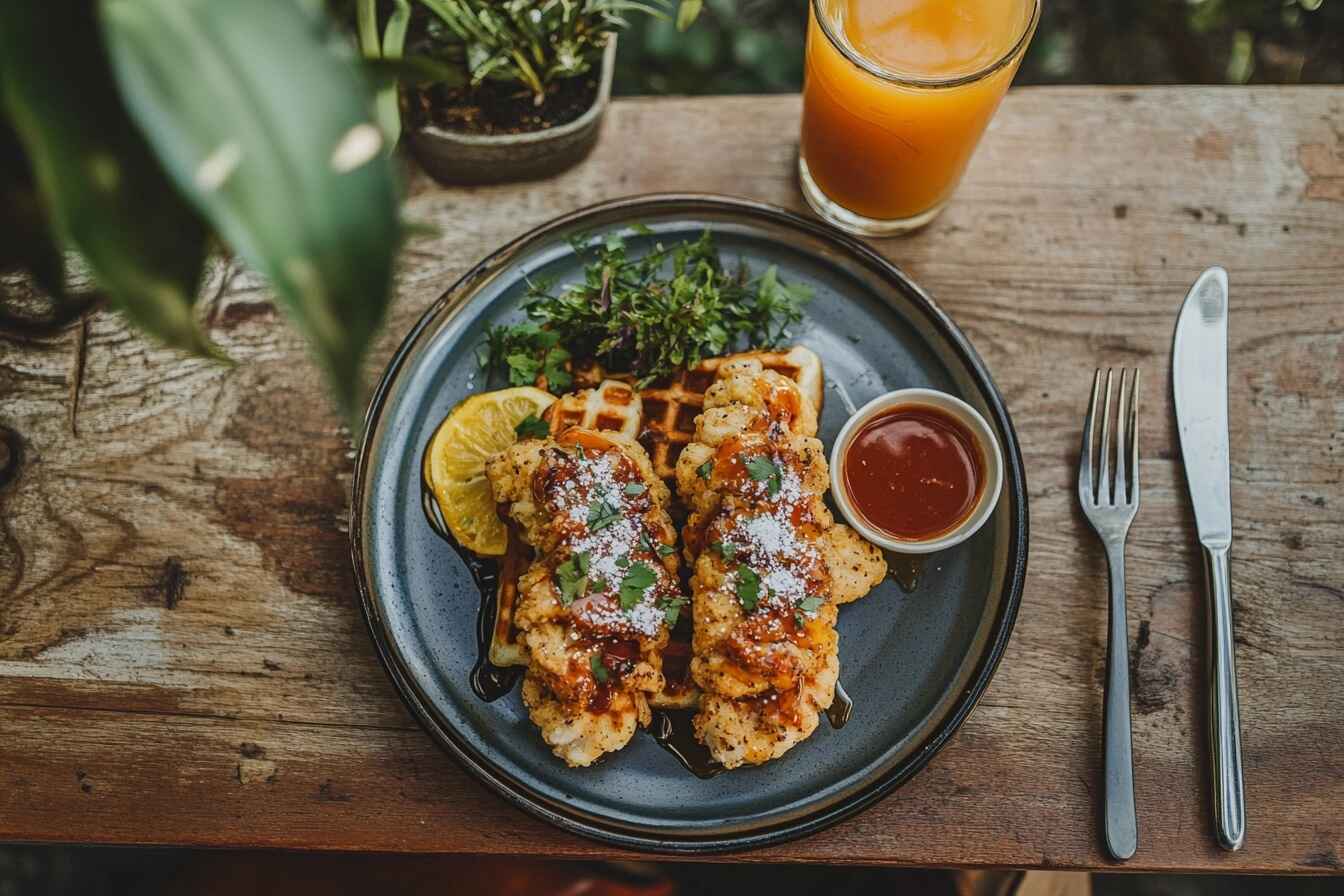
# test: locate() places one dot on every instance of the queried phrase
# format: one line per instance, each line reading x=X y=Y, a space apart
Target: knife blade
x=1199 y=386
x=1199 y=378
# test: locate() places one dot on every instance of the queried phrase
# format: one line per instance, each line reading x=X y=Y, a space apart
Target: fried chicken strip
x=593 y=606
x=770 y=566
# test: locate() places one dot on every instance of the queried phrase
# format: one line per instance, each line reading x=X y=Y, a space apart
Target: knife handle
x=1229 y=801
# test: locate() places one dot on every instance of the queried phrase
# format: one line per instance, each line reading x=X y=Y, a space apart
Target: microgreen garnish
x=725 y=549
x=635 y=488
x=666 y=550
x=637 y=580
x=573 y=577
x=601 y=514
x=763 y=469
x=748 y=588
x=623 y=561
x=705 y=469
x=532 y=427
x=529 y=352
x=599 y=668
x=667 y=309
x=672 y=609
x=597 y=586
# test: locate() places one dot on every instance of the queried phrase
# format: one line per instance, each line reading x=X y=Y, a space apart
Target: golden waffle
x=662 y=417
x=613 y=406
x=669 y=407
x=505 y=648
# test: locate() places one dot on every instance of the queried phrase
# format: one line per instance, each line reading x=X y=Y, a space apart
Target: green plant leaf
x=28 y=243
x=394 y=41
x=263 y=120
x=103 y=190
x=366 y=28
x=416 y=71
x=687 y=13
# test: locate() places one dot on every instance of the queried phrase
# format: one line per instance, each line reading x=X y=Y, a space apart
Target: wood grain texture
x=181 y=655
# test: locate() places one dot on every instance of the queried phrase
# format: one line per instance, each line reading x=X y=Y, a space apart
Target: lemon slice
x=477 y=428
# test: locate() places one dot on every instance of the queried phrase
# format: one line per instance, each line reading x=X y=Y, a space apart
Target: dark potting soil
x=502 y=107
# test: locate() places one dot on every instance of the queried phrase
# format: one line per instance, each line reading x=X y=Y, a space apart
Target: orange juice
x=895 y=98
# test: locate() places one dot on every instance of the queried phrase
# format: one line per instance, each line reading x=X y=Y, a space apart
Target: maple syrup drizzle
x=906 y=569
x=675 y=733
x=841 y=708
x=488 y=681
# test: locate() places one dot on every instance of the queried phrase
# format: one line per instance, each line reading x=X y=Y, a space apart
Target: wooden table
x=182 y=659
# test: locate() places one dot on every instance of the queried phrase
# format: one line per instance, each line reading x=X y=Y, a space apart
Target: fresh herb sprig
x=763 y=469
x=650 y=315
x=530 y=355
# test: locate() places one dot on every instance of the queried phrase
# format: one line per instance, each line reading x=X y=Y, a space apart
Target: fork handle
x=1229 y=801
x=1121 y=826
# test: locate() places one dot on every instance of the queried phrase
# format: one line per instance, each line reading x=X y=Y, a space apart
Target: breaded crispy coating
x=770 y=566
x=595 y=601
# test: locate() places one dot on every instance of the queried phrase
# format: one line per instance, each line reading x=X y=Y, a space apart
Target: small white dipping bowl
x=991 y=457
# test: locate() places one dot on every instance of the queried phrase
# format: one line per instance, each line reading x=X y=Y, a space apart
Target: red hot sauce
x=914 y=472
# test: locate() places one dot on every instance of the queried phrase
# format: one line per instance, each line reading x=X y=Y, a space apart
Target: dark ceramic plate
x=914 y=664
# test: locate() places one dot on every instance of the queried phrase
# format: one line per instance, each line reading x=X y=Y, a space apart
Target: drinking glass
x=896 y=95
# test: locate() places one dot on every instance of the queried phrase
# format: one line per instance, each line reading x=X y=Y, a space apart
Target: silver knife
x=1199 y=381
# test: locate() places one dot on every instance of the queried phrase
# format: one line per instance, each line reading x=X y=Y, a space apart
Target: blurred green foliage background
x=756 y=46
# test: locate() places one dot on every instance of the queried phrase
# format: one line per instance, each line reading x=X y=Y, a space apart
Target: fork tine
x=1134 y=437
x=1087 y=493
x=1105 y=495
x=1122 y=439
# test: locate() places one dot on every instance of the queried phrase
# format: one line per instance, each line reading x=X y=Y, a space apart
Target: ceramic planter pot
x=453 y=157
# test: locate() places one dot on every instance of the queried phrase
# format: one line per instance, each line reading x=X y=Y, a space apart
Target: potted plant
x=500 y=90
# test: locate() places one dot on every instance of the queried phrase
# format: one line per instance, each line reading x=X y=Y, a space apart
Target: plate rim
x=518 y=794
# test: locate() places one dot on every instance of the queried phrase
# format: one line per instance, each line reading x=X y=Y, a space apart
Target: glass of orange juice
x=895 y=97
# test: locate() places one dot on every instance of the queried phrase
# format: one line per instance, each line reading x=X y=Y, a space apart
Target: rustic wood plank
x=182 y=659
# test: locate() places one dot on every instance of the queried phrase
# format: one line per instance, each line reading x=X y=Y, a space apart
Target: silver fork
x=1110 y=504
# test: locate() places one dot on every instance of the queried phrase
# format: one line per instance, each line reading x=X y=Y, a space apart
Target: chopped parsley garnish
x=748 y=588
x=806 y=607
x=599 y=668
x=726 y=550
x=532 y=427
x=668 y=309
x=573 y=577
x=705 y=469
x=662 y=550
x=637 y=580
x=672 y=609
x=635 y=488
x=763 y=469
x=601 y=514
